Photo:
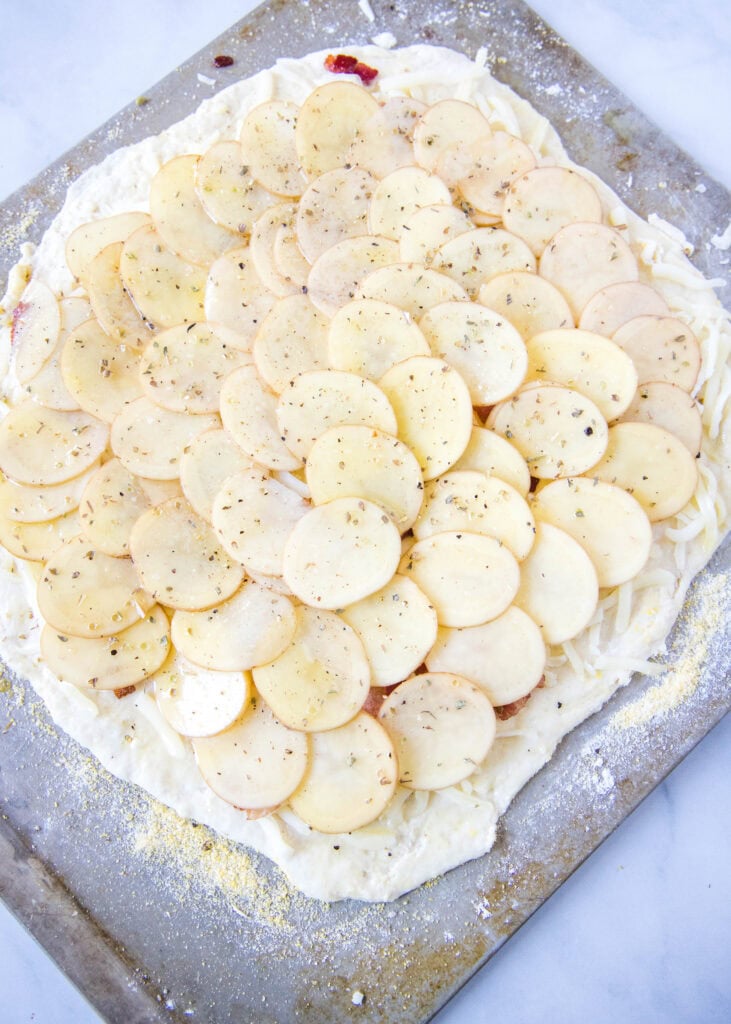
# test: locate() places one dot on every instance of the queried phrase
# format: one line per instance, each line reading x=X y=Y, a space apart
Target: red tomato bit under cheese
x=342 y=64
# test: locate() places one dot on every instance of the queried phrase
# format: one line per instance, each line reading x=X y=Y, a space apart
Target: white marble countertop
x=641 y=932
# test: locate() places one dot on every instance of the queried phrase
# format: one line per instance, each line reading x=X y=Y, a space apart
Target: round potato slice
x=179 y=558
x=111 y=662
x=322 y=399
x=197 y=701
x=474 y=257
x=350 y=779
x=205 y=464
x=149 y=440
x=321 y=679
x=180 y=217
x=291 y=341
x=368 y=336
x=608 y=523
x=101 y=374
x=444 y=123
x=505 y=657
x=43 y=447
x=662 y=348
x=411 y=287
x=288 y=258
x=88 y=239
x=652 y=465
x=86 y=593
x=397 y=626
x=268 y=147
x=528 y=301
x=36 y=542
x=229 y=193
x=468 y=577
x=489 y=453
x=341 y=552
x=442 y=726
x=337 y=275
x=668 y=406
x=22 y=504
x=558 y=585
x=110 y=300
x=429 y=227
x=166 y=289
x=583 y=258
x=334 y=207
x=385 y=142
x=589 y=363
x=481 y=345
x=329 y=119
x=545 y=199
x=613 y=306
x=362 y=462
x=254 y=515
x=249 y=413
x=468 y=500
x=112 y=502
x=494 y=164
x=257 y=763
x=400 y=194
x=183 y=368
x=47 y=386
x=433 y=411
x=264 y=234
x=236 y=297
x=36 y=325
x=558 y=431
x=251 y=628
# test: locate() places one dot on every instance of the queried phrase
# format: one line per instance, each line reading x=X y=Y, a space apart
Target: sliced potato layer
x=110 y=300
x=400 y=194
x=150 y=440
x=530 y=302
x=334 y=207
x=542 y=201
x=329 y=120
x=474 y=257
x=411 y=287
x=492 y=165
x=291 y=341
x=101 y=374
x=87 y=240
x=196 y=701
x=43 y=447
x=23 y=504
x=583 y=258
x=489 y=453
x=611 y=307
x=35 y=329
x=336 y=277
x=428 y=228
x=268 y=147
x=249 y=413
x=668 y=406
x=183 y=369
x=112 y=502
x=368 y=336
x=662 y=348
x=443 y=124
x=229 y=194
x=166 y=289
x=205 y=464
x=235 y=295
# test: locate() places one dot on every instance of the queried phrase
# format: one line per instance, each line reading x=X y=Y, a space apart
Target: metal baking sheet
x=155 y=920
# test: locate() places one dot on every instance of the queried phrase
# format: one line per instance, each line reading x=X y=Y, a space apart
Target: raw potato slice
x=411 y=287
x=666 y=405
x=248 y=412
x=257 y=763
x=236 y=296
x=495 y=163
x=468 y=500
x=609 y=524
x=110 y=301
x=23 y=504
x=36 y=542
x=149 y=440
x=264 y=236
x=166 y=289
x=662 y=348
x=111 y=662
x=558 y=585
x=582 y=258
x=334 y=207
x=180 y=560
x=196 y=701
x=444 y=123
x=327 y=398
x=183 y=368
x=401 y=194
x=368 y=336
x=351 y=777
x=321 y=679
x=101 y=374
x=429 y=227
x=433 y=411
x=589 y=363
x=229 y=194
x=489 y=453
x=528 y=301
x=112 y=502
x=337 y=275
x=397 y=626
x=474 y=257
x=614 y=305
x=329 y=119
x=385 y=142
x=361 y=462
x=47 y=387
x=254 y=515
x=87 y=240
x=481 y=345
x=341 y=552
x=652 y=465
x=268 y=147
x=71 y=443
x=86 y=593
x=291 y=341
x=546 y=199
x=505 y=657
x=181 y=219
x=442 y=726
x=36 y=324
x=558 y=431
x=253 y=627
x=205 y=464
x=468 y=577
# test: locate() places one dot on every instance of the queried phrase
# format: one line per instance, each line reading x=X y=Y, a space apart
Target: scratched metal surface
x=142 y=947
